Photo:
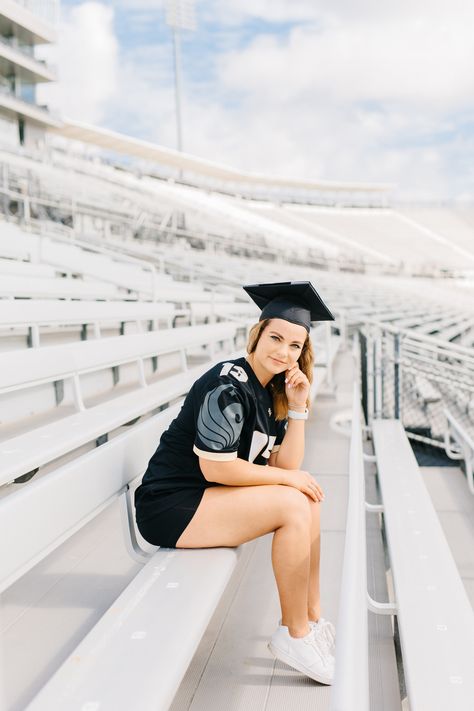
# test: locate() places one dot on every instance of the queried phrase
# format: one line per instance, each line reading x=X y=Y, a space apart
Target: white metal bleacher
x=171 y=598
x=464 y=444
x=435 y=618
x=88 y=485
x=58 y=288
x=27 y=368
x=35 y=314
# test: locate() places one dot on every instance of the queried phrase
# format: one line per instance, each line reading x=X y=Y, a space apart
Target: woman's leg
x=229 y=516
x=314 y=600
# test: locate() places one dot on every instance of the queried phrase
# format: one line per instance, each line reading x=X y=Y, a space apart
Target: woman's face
x=279 y=346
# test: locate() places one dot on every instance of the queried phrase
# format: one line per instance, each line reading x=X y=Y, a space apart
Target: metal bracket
x=374 y=508
x=128 y=527
x=59 y=391
x=381 y=608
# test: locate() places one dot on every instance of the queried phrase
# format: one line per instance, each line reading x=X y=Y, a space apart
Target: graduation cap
x=295 y=301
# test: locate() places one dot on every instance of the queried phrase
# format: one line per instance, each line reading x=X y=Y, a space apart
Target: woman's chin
x=277 y=367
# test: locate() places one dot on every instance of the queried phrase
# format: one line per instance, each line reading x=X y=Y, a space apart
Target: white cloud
x=422 y=63
x=340 y=90
x=87 y=58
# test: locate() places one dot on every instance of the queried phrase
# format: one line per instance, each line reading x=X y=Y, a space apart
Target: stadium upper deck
x=23 y=26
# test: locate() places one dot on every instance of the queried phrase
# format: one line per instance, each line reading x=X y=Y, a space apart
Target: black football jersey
x=227 y=414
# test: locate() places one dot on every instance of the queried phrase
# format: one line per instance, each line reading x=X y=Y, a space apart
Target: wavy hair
x=277 y=383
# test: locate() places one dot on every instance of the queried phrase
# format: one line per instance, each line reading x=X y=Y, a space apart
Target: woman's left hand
x=296 y=386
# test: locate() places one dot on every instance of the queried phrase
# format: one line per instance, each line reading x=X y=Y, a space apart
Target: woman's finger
x=311 y=492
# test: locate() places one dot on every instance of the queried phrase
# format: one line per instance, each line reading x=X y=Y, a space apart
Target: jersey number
x=236 y=371
x=259 y=441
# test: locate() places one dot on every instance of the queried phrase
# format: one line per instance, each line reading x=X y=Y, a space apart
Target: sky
x=345 y=90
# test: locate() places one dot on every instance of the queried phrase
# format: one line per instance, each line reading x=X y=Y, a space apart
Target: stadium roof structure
x=118 y=142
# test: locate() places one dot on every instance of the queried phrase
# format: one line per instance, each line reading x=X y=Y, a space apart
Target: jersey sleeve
x=281 y=426
x=219 y=421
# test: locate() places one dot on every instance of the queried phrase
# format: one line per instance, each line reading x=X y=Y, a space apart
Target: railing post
x=370 y=378
x=396 y=375
x=377 y=355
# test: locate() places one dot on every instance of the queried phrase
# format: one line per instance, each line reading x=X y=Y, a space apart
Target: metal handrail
x=427 y=341
x=351 y=683
x=456 y=431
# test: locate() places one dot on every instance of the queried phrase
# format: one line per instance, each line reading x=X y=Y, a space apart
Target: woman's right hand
x=303 y=481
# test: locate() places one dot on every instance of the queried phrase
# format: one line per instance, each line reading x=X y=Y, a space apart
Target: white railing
x=351 y=684
x=412 y=375
x=464 y=446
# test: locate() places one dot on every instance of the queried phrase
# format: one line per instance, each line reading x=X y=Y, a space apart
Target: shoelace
x=326 y=629
x=312 y=640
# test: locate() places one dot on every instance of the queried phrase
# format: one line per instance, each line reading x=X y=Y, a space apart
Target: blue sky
x=336 y=90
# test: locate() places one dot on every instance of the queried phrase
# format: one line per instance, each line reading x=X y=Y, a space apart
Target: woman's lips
x=280 y=362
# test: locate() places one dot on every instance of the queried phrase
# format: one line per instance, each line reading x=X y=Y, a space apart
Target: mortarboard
x=295 y=301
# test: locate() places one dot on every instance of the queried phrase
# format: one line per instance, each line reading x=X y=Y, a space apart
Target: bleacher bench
x=35 y=313
x=435 y=618
x=137 y=654
x=26 y=368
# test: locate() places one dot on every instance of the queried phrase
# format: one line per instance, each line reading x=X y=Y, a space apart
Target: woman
x=227 y=470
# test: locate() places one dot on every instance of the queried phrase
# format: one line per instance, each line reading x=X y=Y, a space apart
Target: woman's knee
x=294 y=506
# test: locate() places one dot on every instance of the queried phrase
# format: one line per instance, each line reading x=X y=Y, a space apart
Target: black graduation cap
x=295 y=301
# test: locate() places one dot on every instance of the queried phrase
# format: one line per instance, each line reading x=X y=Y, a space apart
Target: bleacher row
x=91 y=197
x=96 y=353
x=86 y=389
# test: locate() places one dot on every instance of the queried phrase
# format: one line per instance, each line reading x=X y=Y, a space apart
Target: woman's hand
x=296 y=386
x=303 y=481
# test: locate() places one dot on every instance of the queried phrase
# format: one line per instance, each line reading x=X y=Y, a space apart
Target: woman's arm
x=291 y=452
x=239 y=472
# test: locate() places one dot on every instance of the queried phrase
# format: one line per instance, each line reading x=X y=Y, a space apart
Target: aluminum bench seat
x=23 y=454
x=26 y=367
x=435 y=618
x=35 y=313
x=426 y=392
x=457 y=330
x=28 y=269
x=60 y=287
x=21 y=369
x=137 y=654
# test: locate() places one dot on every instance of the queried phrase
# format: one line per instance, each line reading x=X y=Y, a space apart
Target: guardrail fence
x=426 y=383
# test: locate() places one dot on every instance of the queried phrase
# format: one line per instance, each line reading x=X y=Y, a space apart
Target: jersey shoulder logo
x=236 y=371
x=219 y=424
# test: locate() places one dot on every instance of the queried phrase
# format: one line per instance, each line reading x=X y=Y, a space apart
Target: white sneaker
x=303 y=654
x=325 y=632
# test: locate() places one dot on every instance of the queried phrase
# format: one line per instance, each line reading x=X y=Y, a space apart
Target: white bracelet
x=293 y=415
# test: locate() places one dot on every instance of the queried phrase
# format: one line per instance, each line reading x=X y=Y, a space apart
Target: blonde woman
x=228 y=469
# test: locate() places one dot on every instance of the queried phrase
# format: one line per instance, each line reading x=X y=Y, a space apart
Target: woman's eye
x=295 y=345
x=275 y=338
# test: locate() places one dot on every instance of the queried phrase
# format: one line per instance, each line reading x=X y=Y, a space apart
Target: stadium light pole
x=180 y=15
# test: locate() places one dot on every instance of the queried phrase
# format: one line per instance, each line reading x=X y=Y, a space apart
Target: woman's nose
x=283 y=351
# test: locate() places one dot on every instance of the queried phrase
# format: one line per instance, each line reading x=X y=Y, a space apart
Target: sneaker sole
x=294 y=664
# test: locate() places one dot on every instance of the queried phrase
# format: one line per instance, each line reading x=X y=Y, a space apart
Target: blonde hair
x=277 y=383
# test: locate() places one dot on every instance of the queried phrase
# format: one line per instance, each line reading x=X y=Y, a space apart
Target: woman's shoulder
x=226 y=371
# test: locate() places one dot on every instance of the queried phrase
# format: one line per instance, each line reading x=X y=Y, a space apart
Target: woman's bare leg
x=314 y=599
x=229 y=516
